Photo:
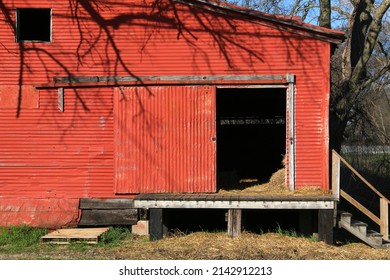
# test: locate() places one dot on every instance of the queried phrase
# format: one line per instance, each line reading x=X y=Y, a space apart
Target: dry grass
x=215 y=246
x=272 y=246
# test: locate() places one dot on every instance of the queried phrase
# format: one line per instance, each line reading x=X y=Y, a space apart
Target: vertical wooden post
x=325 y=225
x=156 y=224
x=61 y=104
x=234 y=222
x=384 y=215
x=290 y=78
x=306 y=222
x=336 y=175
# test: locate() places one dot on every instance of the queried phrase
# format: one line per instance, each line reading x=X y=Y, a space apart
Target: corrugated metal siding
x=135 y=38
x=47 y=153
x=132 y=38
x=164 y=139
x=43 y=212
x=311 y=133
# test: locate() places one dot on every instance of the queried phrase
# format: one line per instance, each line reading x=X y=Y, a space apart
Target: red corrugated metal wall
x=49 y=154
x=165 y=139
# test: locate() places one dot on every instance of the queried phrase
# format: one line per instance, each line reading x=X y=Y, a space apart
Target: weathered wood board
x=115 y=203
x=66 y=236
x=102 y=217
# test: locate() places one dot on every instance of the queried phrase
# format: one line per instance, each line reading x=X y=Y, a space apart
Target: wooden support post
x=384 y=215
x=306 y=222
x=325 y=225
x=336 y=175
x=156 y=224
x=61 y=104
x=234 y=222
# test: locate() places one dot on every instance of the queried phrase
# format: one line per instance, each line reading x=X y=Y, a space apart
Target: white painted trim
x=253 y=86
x=290 y=110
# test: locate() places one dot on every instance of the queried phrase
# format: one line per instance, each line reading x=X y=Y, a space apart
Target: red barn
x=117 y=98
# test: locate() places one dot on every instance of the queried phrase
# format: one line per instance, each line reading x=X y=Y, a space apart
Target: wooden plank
x=291 y=130
x=321 y=204
x=92 y=217
x=234 y=222
x=115 y=203
x=156 y=230
x=235 y=197
x=61 y=99
x=58 y=80
x=359 y=206
x=325 y=225
x=384 y=214
x=335 y=175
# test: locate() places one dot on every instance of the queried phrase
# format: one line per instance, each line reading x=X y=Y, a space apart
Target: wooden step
x=359 y=229
x=345 y=216
x=373 y=233
x=74 y=235
x=375 y=238
x=360 y=226
x=386 y=245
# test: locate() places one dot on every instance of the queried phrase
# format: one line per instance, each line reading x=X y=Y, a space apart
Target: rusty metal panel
x=47 y=213
x=165 y=139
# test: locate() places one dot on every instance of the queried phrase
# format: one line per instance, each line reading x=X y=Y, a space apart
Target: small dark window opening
x=34 y=25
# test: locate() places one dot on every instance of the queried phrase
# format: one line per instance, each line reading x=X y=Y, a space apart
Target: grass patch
x=286 y=232
x=24 y=241
x=293 y=233
x=115 y=235
x=20 y=238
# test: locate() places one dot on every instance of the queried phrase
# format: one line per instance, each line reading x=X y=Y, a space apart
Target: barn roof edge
x=322 y=33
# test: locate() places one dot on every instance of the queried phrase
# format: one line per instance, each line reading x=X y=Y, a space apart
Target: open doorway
x=251 y=135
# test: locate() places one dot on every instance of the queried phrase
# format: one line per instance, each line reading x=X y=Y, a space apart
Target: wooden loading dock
x=156 y=203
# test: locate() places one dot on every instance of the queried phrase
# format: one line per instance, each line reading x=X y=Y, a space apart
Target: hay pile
x=209 y=246
x=276 y=186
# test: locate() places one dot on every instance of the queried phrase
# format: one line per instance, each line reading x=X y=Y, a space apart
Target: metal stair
x=359 y=229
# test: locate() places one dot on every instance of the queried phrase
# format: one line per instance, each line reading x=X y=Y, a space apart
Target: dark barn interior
x=34 y=25
x=251 y=134
x=185 y=221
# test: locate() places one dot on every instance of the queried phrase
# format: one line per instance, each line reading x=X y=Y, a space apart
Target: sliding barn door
x=165 y=139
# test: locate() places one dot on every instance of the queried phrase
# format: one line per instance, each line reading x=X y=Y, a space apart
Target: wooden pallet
x=74 y=235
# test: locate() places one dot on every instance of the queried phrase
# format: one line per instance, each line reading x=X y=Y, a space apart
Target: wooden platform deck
x=218 y=201
x=235 y=204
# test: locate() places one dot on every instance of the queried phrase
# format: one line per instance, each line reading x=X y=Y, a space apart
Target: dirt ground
x=211 y=246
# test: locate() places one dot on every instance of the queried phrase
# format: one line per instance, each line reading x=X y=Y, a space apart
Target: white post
x=336 y=175
x=290 y=78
